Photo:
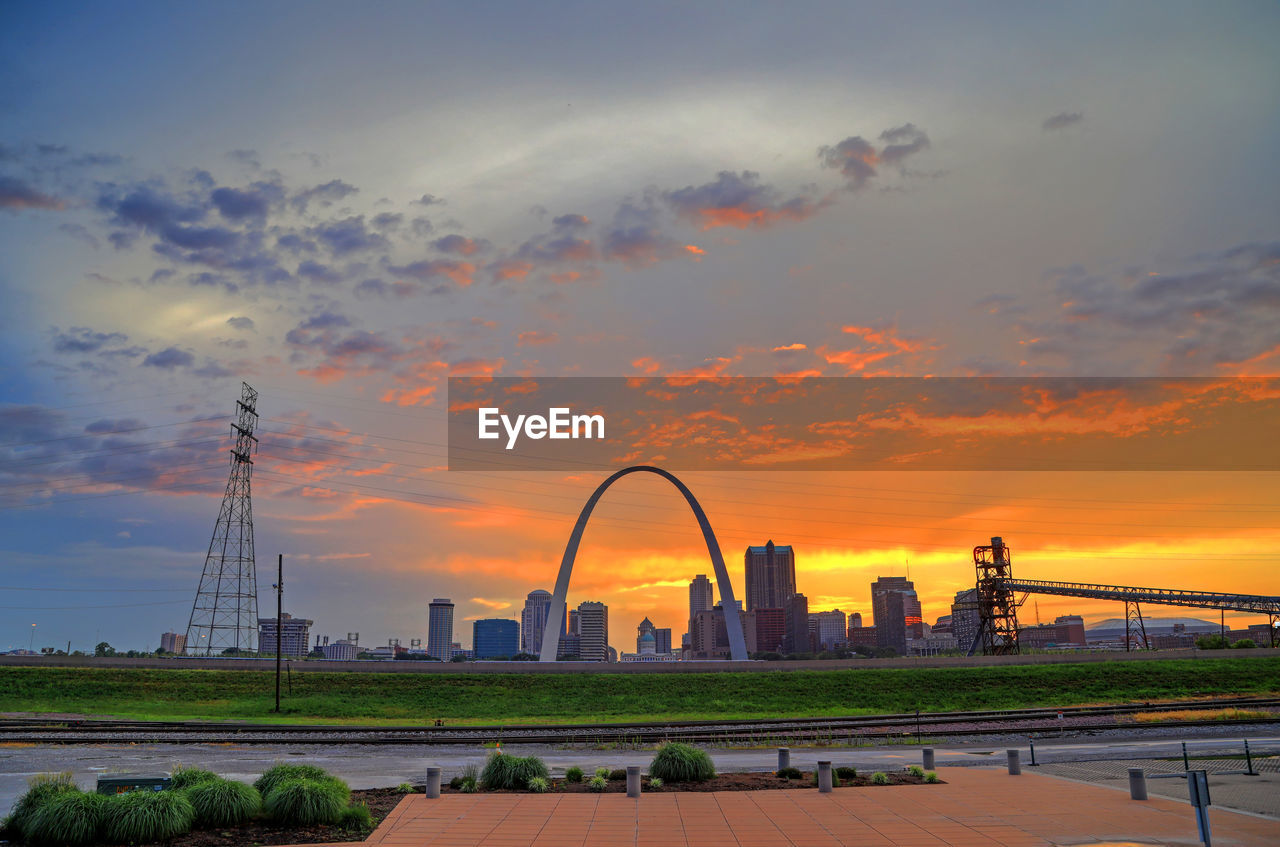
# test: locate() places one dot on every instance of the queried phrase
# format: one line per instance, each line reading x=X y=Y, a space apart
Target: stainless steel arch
x=555 y=615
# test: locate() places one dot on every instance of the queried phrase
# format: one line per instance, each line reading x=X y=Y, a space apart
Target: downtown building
x=173 y=642
x=889 y=596
x=770 y=576
x=533 y=621
x=440 y=629
x=965 y=619
x=661 y=637
x=495 y=638
x=593 y=631
x=295 y=636
x=830 y=629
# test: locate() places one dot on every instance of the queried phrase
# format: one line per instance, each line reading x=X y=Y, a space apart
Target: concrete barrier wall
x=311 y=665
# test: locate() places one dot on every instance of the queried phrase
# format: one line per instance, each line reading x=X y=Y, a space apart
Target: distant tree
x=1212 y=642
x=524 y=657
x=103 y=649
x=1244 y=644
x=160 y=651
x=458 y=658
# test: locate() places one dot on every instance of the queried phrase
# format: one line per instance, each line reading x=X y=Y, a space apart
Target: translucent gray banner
x=835 y=423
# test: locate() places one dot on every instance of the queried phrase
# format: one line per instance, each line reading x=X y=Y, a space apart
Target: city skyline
x=368 y=201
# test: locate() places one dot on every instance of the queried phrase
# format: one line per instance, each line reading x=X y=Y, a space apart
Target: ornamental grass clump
x=597 y=783
x=187 y=777
x=357 y=818
x=879 y=778
x=40 y=789
x=677 y=762
x=511 y=773
x=140 y=817
x=305 y=802
x=284 y=772
x=573 y=774
x=916 y=770
x=222 y=802
x=931 y=777
x=539 y=785
x=67 y=817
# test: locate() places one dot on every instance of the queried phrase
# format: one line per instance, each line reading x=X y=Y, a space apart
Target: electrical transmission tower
x=225 y=613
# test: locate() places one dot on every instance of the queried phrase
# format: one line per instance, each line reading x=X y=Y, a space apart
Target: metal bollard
x=1137 y=784
x=1248 y=757
x=633 y=780
x=824 y=777
x=433 y=783
x=1015 y=766
x=927 y=756
x=784 y=757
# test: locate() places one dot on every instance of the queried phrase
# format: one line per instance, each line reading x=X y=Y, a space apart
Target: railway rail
x=1037 y=721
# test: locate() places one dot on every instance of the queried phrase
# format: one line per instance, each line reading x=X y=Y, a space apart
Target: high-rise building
x=796 y=637
x=341 y=650
x=593 y=631
x=295 y=636
x=495 y=638
x=709 y=638
x=965 y=619
x=573 y=622
x=570 y=646
x=855 y=619
x=911 y=625
x=830 y=628
x=533 y=621
x=662 y=639
x=440 y=629
x=173 y=642
x=702 y=594
x=770 y=629
x=771 y=576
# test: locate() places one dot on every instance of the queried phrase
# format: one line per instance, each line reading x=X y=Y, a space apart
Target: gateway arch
x=555 y=615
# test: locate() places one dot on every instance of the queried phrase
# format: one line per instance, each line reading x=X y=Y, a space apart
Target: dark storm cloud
x=739 y=201
x=1061 y=121
x=901 y=142
x=16 y=194
x=170 y=358
x=327 y=194
x=81 y=339
x=252 y=203
x=349 y=235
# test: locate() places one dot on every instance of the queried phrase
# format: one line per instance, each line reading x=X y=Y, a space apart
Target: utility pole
x=279 y=622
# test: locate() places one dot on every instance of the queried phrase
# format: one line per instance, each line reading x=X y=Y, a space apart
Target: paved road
x=386 y=765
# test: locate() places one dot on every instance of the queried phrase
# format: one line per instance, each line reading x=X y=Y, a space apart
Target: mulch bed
x=382 y=800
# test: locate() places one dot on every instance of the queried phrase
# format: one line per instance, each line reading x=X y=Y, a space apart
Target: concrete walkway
x=977 y=806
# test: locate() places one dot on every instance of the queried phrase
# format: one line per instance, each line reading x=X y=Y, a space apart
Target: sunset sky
x=343 y=205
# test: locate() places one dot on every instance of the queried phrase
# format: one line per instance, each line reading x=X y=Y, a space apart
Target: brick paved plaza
x=977 y=806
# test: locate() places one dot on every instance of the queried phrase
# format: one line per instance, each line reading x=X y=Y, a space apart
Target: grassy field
x=591 y=698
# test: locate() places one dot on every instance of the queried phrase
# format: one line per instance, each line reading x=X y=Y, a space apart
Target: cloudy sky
x=344 y=205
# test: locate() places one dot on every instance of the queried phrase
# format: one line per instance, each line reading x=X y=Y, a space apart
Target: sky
x=345 y=204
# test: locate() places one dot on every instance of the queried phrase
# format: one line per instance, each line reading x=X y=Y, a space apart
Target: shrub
x=538 y=785
x=404 y=788
x=40 y=788
x=915 y=770
x=655 y=782
x=187 y=777
x=931 y=777
x=602 y=772
x=677 y=762
x=221 y=802
x=357 y=818
x=307 y=801
x=598 y=783
x=879 y=778
x=284 y=772
x=789 y=773
x=468 y=785
x=847 y=772
x=140 y=817
x=573 y=774
x=511 y=772
x=67 y=817
x=617 y=774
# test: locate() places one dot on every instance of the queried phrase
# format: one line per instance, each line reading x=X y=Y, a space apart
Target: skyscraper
x=831 y=629
x=796 y=637
x=889 y=595
x=771 y=576
x=965 y=619
x=593 y=631
x=702 y=595
x=533 y=620
x=494 y=638
x=440 y=629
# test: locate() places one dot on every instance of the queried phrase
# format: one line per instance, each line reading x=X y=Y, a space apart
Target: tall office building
x=440 y=629
x=702 y=594
x=593 y=631
x=173 y=642
x=495 y=638
x=855 y=620
x=908 y=620
x=829 y=628
x=770 y=629
x=771 y=576
x=533 y=620
x=796 y=637
x=295 y=636
x=965 y=619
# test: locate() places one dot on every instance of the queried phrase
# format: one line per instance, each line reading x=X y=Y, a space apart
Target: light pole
x=31 y=646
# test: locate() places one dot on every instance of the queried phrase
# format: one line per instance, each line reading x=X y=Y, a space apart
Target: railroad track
x=1038 y=721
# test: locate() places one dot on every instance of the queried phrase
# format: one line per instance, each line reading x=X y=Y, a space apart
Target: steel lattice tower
x=225 y=613
x=997 y=608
